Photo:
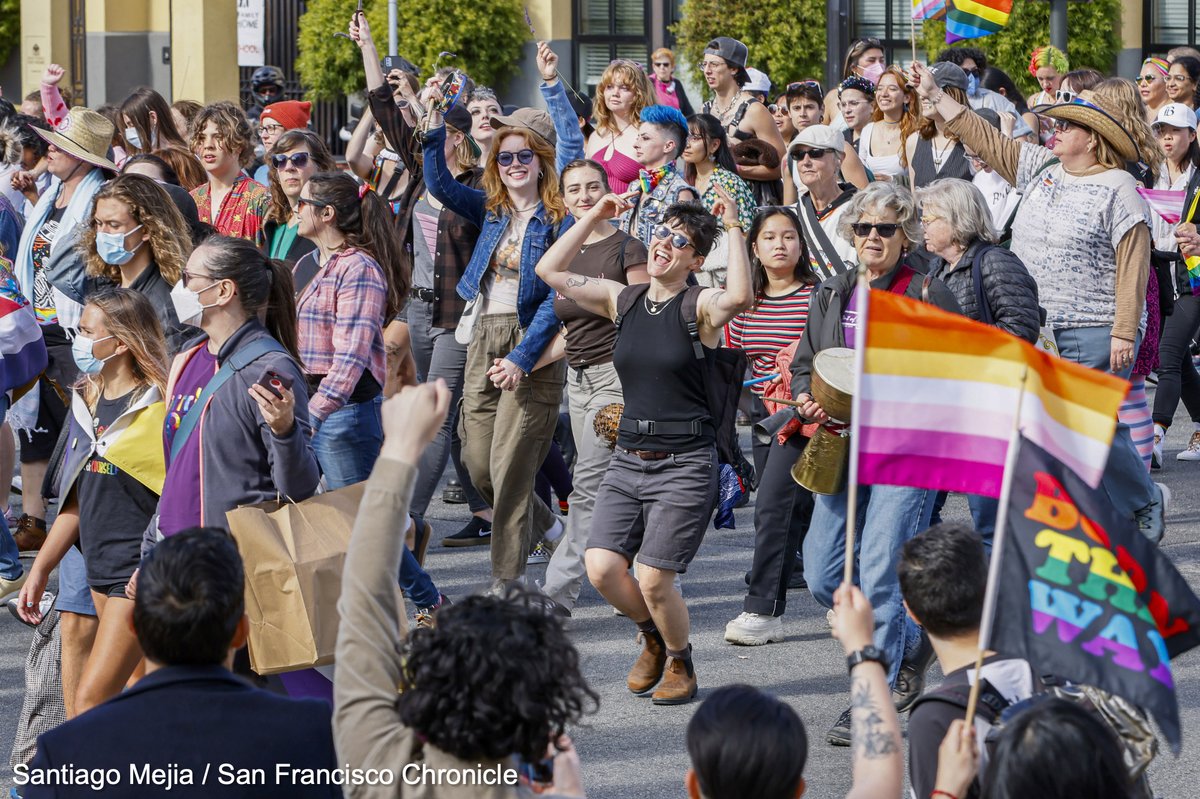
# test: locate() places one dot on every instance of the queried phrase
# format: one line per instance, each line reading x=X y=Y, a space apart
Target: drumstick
x=758 y=380
x=788 y=402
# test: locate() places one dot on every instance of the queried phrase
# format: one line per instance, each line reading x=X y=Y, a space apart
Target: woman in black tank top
x=660 y=488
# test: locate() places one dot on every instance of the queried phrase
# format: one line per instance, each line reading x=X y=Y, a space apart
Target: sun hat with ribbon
x=83 y=134
x=1084 y=111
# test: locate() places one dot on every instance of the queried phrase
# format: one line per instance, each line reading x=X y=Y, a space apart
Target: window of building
x=889 y=21
x=1170 y=23
x=606 y=30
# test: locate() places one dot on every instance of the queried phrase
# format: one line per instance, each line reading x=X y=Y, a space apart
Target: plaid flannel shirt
x=341 y=328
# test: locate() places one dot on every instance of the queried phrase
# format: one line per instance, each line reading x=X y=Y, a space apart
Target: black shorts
x=38 y=444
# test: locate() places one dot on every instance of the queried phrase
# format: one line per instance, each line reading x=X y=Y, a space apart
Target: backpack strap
x=981 y=300
x=234 y=363
x=691 y=299
x=627 y=299
x=991 y=702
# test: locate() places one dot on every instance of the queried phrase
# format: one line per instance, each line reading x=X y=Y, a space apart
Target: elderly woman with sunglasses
x=881 y=222
x=1082 y=231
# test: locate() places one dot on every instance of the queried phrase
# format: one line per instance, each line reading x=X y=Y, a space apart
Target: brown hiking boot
x=678 y=686
x=648 y=668
x=30 y=533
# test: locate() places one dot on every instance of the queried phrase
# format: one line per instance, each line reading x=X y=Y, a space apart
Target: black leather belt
x=649 y=427
x=424 y=295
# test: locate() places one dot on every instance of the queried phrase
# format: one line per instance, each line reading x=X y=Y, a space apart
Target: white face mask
x=133 y=137
x=187 y=303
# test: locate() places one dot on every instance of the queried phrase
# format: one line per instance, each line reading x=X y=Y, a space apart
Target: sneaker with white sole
x=754 y=629
x=539 y=556
x=9 y=587
x=1152 y=519
x=1192 y=453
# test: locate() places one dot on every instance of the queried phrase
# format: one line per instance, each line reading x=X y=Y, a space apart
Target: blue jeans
x=348 y=443
x=1126 y=480
x=888 y=516
x=10 y=557
x=983 y=515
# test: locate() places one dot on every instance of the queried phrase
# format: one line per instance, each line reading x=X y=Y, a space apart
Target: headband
x=1159 y=64
x=855 y=82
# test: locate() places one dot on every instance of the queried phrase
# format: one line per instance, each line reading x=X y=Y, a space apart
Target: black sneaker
x=839 y=733
x=453 y=493
x=910 y=681
x=477 y=533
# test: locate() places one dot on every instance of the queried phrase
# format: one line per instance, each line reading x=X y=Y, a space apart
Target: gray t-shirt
x=425 y=225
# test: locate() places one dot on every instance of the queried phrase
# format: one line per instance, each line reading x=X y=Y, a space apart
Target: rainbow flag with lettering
x=1193 y=261
x=939 y=391
x=971 y=19
x=929 y=9
x=1086 y=596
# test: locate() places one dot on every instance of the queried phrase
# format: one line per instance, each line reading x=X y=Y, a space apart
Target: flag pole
x=912 y=37
x=863 y=289
x=993 y=579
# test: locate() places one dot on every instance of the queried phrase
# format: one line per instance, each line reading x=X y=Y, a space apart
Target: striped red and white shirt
x=766 y=329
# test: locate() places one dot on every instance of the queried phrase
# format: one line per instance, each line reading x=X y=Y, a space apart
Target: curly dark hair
x=495 y=676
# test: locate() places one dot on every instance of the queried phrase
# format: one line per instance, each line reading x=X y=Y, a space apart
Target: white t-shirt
x=999 y=195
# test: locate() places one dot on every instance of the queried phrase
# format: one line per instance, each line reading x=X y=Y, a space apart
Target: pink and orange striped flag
x=939 y=391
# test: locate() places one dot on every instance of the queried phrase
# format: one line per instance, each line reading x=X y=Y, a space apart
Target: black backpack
x=725 y=370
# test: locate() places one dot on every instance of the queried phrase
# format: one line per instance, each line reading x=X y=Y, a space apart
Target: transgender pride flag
x=939 y=391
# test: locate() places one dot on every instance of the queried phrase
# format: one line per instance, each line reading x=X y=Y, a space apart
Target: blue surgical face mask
x=972 y=86
x=88 y=363
x=111 y=247
x=133 y=137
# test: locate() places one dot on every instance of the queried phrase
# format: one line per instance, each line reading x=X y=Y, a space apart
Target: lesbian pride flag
x=938 y=395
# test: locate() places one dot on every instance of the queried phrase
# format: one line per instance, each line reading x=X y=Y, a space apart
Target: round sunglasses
x=298 y=160
x=885 y=229
x=678 y=240
x=505 y=158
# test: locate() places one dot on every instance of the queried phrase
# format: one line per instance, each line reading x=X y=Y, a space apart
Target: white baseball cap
x=821 y=137
x=1177 y=115
x=759 y=82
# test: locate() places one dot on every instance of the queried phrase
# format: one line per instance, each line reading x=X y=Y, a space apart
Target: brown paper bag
x=294 y=554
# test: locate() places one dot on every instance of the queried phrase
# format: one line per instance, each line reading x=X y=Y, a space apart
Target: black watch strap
x=867 y=653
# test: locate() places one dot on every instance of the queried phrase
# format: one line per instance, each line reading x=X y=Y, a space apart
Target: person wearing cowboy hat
x=1090 y=262
x=47 y=258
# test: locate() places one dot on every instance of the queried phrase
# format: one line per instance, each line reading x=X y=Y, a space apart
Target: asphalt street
x=631 y=749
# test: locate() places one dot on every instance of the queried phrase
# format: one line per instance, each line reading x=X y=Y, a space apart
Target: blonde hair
x=129 y=316
x=233 y=129
x=463 y=152
x=170 y=241
x=498 y=199
x=910 y=118
x=1120 y=98
x=627 y=74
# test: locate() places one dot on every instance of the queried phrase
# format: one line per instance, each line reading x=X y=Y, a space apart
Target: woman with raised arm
x=660 y=489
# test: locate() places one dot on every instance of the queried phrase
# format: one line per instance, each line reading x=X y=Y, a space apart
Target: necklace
x=722 y=113
x=940 y=157
x=655 y=308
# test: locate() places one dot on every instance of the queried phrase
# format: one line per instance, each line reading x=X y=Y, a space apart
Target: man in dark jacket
x=189 y=726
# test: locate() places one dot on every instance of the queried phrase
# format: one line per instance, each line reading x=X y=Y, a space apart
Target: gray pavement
x=633 y=750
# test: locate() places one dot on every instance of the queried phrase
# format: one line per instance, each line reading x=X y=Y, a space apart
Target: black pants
x=782 y=511
x=1177 y=376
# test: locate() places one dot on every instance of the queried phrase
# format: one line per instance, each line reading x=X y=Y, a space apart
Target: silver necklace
x=655 y=308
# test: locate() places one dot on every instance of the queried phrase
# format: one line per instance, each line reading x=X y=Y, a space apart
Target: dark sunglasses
x=299 y=160
x=977 y=72
x=663 y=64
x=678 y=240
x=814 y=153
x=885 y=230
x=1061 y=125
x=303 y=201
x=791 y=87
x=505 y=158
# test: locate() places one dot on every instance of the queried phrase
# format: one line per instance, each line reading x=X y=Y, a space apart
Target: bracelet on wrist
x=938 y=792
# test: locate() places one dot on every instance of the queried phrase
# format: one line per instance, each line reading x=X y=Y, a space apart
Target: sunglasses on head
x=1062 y=96
x=505 y=158
x=678 y=240
x=814 y=152
x=791 y=87
x=885 y=229
x=299 y=160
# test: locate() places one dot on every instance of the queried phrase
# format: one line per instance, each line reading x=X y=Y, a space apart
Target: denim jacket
x=535 y=300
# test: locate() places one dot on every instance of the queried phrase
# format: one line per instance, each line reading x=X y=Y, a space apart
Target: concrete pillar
x=204 y=50
x=45 y=39
x=125 y=48
x=1129 y=57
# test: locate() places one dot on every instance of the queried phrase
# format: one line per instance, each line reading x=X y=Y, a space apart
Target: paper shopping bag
x=294 y=554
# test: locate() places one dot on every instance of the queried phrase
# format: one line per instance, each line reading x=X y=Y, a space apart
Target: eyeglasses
x=885 y=229
x=303 y=201
x=298 y=160
x=187 y=277
x=1146 y=79
x=678 y=240
x=505 y=158
x=1062 y=96
x=1177 y=79
x=270 y=130
x=926 y=220
x=815 y=153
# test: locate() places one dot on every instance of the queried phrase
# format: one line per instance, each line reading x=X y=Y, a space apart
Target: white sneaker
x=829 y=618
x=1156 y=454
x=754 y=629
x=1192 y=453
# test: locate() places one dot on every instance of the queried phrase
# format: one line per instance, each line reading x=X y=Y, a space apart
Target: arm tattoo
x=868 y=739
x=575 y=281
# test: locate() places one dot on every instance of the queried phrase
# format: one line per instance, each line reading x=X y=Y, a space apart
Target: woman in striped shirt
x=783 y=285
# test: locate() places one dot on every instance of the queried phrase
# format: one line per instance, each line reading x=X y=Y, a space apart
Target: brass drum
x=833 y=382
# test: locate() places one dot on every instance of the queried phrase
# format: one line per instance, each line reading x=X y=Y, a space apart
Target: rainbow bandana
x=649 y=180
x=1159 y=64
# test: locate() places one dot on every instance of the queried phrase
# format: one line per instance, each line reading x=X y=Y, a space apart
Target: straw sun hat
x=83 y=134
x=1084 y=111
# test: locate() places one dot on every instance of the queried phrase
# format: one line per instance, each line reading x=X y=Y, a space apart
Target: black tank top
x=955 y=165
x=661 y=377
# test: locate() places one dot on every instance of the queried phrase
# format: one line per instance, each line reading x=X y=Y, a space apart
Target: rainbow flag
x=22 y=350
x=938 y=395
x=1193 y=261
x=929 y=9
x=970 y=19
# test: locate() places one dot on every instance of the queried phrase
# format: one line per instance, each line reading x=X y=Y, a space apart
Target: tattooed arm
x=874 y=724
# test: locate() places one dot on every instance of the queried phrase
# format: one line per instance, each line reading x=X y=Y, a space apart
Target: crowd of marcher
x=226 y=317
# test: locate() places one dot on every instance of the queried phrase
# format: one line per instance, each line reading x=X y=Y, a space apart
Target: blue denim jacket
x=535 y=300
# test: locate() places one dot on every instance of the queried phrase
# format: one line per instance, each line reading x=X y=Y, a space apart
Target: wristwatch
x=868 y=652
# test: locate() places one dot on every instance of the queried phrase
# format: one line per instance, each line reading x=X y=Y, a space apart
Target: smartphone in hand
x=274 y=382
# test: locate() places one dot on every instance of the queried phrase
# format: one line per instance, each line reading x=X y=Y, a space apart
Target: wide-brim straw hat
x=1084 y=111
x=83 y=134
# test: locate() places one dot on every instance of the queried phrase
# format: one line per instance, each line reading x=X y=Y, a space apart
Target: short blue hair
x=664 y=116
